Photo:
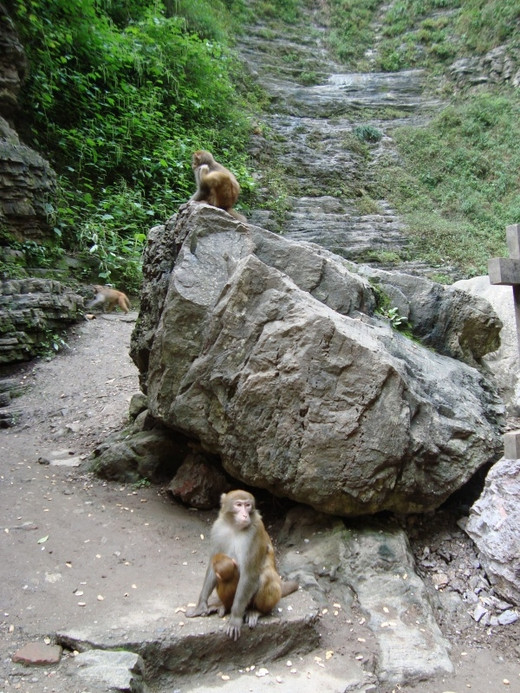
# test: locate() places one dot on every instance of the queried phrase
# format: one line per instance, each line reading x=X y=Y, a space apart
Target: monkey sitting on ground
x=109 y=298
x=239 y=533
x=216 y=185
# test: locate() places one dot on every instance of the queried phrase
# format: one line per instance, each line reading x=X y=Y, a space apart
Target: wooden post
x=506 y=271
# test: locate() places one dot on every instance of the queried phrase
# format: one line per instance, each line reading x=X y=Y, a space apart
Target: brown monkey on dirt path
x=239 y=533
x=110 y=298
x=216 y=185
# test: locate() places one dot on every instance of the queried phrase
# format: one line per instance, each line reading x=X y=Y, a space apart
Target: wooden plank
x=512 y=445
x=504 y=270
x=513 y=240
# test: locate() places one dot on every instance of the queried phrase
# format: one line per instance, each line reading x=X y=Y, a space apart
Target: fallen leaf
x=43 y=540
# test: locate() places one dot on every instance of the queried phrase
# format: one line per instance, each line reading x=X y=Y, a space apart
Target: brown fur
x=240 y=535
x=226 y=572
x=110 y=298
x=216 y=185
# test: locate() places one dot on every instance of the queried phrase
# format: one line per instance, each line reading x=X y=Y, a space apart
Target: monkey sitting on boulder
x=216 y=185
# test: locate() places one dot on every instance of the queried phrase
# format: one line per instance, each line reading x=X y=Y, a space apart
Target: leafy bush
x=119 y=95
x=367 y=133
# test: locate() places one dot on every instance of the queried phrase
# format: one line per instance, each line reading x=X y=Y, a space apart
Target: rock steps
x=169 y=652
x=309 y=126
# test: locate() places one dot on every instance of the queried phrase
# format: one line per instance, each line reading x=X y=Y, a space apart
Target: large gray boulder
x=494 y=526
x=373 y=561
x=502 y=361
x=266 y=351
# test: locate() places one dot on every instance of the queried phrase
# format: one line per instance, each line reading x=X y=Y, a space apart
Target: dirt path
x=79 y=552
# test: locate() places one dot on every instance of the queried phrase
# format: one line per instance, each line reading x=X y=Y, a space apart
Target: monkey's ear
x=222 y=499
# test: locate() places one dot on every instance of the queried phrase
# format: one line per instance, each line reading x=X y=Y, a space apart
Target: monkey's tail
x=236 y=214
x=289 y=587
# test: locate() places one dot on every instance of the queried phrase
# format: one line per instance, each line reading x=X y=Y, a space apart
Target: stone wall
x=27 y=181
x=29 y=310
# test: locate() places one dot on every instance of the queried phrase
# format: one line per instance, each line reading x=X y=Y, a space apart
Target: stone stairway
x=310 y=131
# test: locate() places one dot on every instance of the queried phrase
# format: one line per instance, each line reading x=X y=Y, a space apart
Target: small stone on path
x=38 y=653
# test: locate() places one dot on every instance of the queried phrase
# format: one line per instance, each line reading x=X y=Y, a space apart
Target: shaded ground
x=78 y=551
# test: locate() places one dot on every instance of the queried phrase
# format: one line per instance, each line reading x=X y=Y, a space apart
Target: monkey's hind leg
x=268 y=595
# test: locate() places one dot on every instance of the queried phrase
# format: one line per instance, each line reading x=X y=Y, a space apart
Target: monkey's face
x=242 y=509
x=201 y=156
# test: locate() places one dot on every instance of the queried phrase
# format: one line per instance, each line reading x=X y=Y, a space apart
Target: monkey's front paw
x=252 y=618
x=233 y=628
x=199 y=610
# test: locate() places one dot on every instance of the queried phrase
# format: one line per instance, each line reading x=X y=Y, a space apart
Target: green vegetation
x=284 y=10
x=351 y=24
x=455 y=182
x=367 y=133
x=419 y=33
x=50 y=343
x=120 y=92
x=119 y=95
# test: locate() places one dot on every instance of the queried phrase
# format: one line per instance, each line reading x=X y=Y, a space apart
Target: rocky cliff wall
x=27 y=181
